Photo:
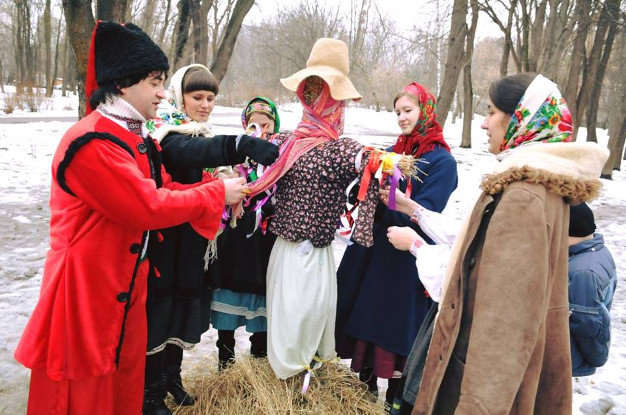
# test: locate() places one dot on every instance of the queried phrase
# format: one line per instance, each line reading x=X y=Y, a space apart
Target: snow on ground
x=25 y=155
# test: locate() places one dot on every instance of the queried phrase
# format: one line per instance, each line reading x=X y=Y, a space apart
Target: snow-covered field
x=25 y=155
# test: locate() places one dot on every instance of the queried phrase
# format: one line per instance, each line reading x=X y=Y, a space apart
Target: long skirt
x=231 y=310
x=301 y=307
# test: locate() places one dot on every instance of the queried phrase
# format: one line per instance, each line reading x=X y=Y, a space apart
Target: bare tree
x=80 y=24
x=166 y=22
x=47 y=38
x=583 y=9
x=592 y=64
x=181 y=31
x=468 y=91
x=537 y=35
x=594 y=98
x=56 y=53
x=115 y=10
x=221 y=59
x=454 y=61
x=617 y=117
x=199 y=14
x=509 y=46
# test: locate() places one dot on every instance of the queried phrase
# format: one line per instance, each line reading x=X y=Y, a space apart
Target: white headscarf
x=173 y=118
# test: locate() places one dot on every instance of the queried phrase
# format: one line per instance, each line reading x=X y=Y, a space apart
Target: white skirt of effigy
x=301 y=306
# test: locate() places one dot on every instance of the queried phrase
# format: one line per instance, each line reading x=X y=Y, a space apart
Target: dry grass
x=249 y=387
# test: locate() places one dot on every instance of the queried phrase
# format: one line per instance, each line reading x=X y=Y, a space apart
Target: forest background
x=454 y=47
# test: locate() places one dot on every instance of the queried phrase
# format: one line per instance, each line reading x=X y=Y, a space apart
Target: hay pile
x=249 y=387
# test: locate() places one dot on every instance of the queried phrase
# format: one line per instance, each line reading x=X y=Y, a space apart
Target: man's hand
x=235 y=190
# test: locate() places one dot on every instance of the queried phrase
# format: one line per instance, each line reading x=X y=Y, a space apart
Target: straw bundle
x=249 y=387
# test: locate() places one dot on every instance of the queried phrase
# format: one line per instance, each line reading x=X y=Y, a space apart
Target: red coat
x=102 y=201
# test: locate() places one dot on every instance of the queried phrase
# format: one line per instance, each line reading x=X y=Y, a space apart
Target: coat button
x=440 y=357
x=142 y=148
x=135 y=248
x=122 y=297
x=452 y=306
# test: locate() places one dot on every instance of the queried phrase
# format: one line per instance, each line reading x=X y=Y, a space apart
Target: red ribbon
x=372 y=166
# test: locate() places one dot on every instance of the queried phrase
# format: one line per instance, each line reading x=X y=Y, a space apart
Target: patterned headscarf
x=541 y=116
x=427 y=132
x=171 y=117
x=321 y=122
x=264 y=106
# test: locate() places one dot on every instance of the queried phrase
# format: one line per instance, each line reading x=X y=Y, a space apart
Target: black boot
x=366 y=375
x=154 y=389
x=258 y=344
x=172 y=379
x=392 y=389
x=174 y=385
x=225 y=347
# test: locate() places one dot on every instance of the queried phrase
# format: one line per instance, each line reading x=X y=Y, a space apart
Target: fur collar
x=570 y=170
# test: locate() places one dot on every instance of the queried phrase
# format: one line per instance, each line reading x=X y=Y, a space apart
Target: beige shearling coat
x=501 y=340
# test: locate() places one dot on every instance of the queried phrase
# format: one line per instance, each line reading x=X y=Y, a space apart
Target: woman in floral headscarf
x=237 y=273
x=381 y=301
x=500 y=343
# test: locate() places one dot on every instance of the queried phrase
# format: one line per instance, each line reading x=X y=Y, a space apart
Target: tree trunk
x=181 y=32
x=56 y=53
x=504 y=62
x=468 y=92
x=114 y=10
x=590 y=81
x=594 y=99
x=617 y=117
x=537 y=36
x=66 y=64
x=525 y=33
x=549 y=40
x=456 y=50
x=166 y=22
x=199 y=15
x=148 y=18
x=221 y=59
x=80 y=24
x=48 y=40
x=583 y=8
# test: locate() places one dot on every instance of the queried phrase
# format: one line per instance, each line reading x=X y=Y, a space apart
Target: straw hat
x=329 y=60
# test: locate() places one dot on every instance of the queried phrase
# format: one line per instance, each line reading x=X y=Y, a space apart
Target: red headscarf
x=427 y=132
x=321 y=122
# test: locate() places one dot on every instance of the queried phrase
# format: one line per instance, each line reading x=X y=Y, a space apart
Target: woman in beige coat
x=500 y=343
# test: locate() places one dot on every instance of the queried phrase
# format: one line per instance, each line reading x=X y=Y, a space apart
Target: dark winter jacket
x=179 y=298
x=592 y=282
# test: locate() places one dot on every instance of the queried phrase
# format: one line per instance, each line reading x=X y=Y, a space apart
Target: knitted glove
x=259 y=150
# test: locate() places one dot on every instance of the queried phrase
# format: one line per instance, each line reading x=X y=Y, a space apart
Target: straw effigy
x=249 y=387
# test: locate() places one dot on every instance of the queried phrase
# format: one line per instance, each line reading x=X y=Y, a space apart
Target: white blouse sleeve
x=431 y=260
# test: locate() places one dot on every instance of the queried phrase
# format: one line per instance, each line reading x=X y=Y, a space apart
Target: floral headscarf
x=541 y=116
x=261 y=105
x=427 y=132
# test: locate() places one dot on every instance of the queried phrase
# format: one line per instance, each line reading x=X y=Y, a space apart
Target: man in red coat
x=86 y=339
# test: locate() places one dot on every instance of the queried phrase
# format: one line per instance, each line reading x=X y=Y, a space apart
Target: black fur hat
x=118 y=51
x=123 y=50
